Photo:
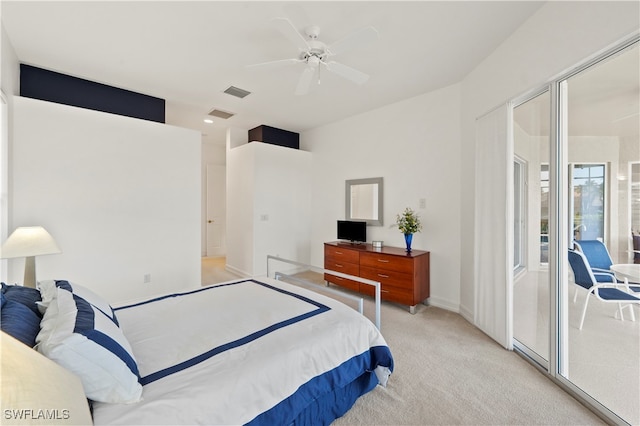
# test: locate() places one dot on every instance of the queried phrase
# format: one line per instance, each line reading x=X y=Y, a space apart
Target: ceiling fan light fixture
x=313 y=61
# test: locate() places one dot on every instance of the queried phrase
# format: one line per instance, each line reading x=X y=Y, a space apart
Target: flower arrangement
x=408 y=222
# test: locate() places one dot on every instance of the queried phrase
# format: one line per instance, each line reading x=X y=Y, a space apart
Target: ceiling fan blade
x=275 y=64
x=305 y=81
x=287 y=29
x=296 y=13
x=349 y=73
x=355 y=39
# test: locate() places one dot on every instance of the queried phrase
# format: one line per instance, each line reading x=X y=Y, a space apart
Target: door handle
x=210 y=221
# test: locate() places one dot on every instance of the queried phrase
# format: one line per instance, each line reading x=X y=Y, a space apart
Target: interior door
x=216 y=210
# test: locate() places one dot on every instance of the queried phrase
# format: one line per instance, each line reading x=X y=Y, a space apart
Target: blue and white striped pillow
x=48 y=290
x=86 y=341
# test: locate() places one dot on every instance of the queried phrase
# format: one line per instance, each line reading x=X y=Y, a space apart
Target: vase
x=407 y=240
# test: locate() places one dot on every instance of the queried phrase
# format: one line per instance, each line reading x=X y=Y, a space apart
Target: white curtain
x=492 y=267
x=4 y=180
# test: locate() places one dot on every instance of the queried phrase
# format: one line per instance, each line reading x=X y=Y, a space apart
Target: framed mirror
x=363 y=200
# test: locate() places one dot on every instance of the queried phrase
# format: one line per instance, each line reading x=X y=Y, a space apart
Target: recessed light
x=208 y=120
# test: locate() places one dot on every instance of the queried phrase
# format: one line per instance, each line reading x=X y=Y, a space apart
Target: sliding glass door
x=579 y=140
x=601 y=142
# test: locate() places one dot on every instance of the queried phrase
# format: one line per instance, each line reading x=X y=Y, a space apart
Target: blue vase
x=407 y=240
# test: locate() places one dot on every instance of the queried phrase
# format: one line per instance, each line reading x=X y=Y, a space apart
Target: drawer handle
x=339 y=266
x=383 y=276
x=338 y=252
x=383 y=260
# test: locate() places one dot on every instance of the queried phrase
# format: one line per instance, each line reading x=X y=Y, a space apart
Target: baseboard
x=466 y=314
x=237 y=271
x=443 y=304
x=289 y=270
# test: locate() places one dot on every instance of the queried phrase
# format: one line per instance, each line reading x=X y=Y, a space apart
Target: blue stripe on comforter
x=330 y=395
x=320 y=308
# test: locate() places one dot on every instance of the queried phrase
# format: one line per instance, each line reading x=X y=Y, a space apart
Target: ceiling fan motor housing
x=316 y=53
x=312 y=31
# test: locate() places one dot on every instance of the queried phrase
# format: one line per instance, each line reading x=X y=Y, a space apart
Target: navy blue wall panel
x=274 y=136
x=51 y=86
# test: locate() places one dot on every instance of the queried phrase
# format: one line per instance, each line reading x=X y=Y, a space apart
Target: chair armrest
x=625 y=289
x=605 y=274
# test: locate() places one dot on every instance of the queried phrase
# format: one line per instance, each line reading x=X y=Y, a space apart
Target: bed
x=250 y=351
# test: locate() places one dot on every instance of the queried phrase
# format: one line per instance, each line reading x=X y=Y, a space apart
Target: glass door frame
x=538 y=360
x=560 y=234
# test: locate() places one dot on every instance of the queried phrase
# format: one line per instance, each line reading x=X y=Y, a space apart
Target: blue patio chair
x=600 y=260
x=607 y=292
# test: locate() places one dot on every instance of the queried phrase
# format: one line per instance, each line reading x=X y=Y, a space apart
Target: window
x=588 y=189
x=544 y=214
x=519 y=214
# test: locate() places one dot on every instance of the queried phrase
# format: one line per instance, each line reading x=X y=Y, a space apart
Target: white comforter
x=227 y=353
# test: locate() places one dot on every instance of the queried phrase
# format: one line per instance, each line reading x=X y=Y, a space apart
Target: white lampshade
x=29 y=241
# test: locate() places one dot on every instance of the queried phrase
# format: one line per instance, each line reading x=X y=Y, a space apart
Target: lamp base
x=30 y=272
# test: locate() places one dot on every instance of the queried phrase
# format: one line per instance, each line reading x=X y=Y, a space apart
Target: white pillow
x=48 y=291
x=85 y=341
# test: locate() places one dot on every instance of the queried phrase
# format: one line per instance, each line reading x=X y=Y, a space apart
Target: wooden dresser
x=404 y=277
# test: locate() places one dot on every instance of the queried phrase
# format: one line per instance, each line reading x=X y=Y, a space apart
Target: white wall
x=121 y=197
x=414 y=145
x=9 y=66
x=9 y=83
x=268 y=206
x=558 y=36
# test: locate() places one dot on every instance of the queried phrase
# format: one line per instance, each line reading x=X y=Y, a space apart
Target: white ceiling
x=189 y=52
x=603 y=100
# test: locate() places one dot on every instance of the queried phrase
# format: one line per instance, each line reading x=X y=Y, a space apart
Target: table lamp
x=29 y=242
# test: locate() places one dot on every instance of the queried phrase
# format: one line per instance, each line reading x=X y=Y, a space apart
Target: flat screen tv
x=351 y=230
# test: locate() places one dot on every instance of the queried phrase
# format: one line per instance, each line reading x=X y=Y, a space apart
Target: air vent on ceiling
x=237 y=92
x=220 y=114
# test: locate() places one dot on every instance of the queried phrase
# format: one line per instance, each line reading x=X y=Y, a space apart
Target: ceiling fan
x=314 y=54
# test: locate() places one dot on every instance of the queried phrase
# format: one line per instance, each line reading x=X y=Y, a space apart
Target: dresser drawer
x=338 y=254
x=389 y=292
x=386 y=262
x=399 y=296
x=342 y=282
x=392 y=278
x=344 y=267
